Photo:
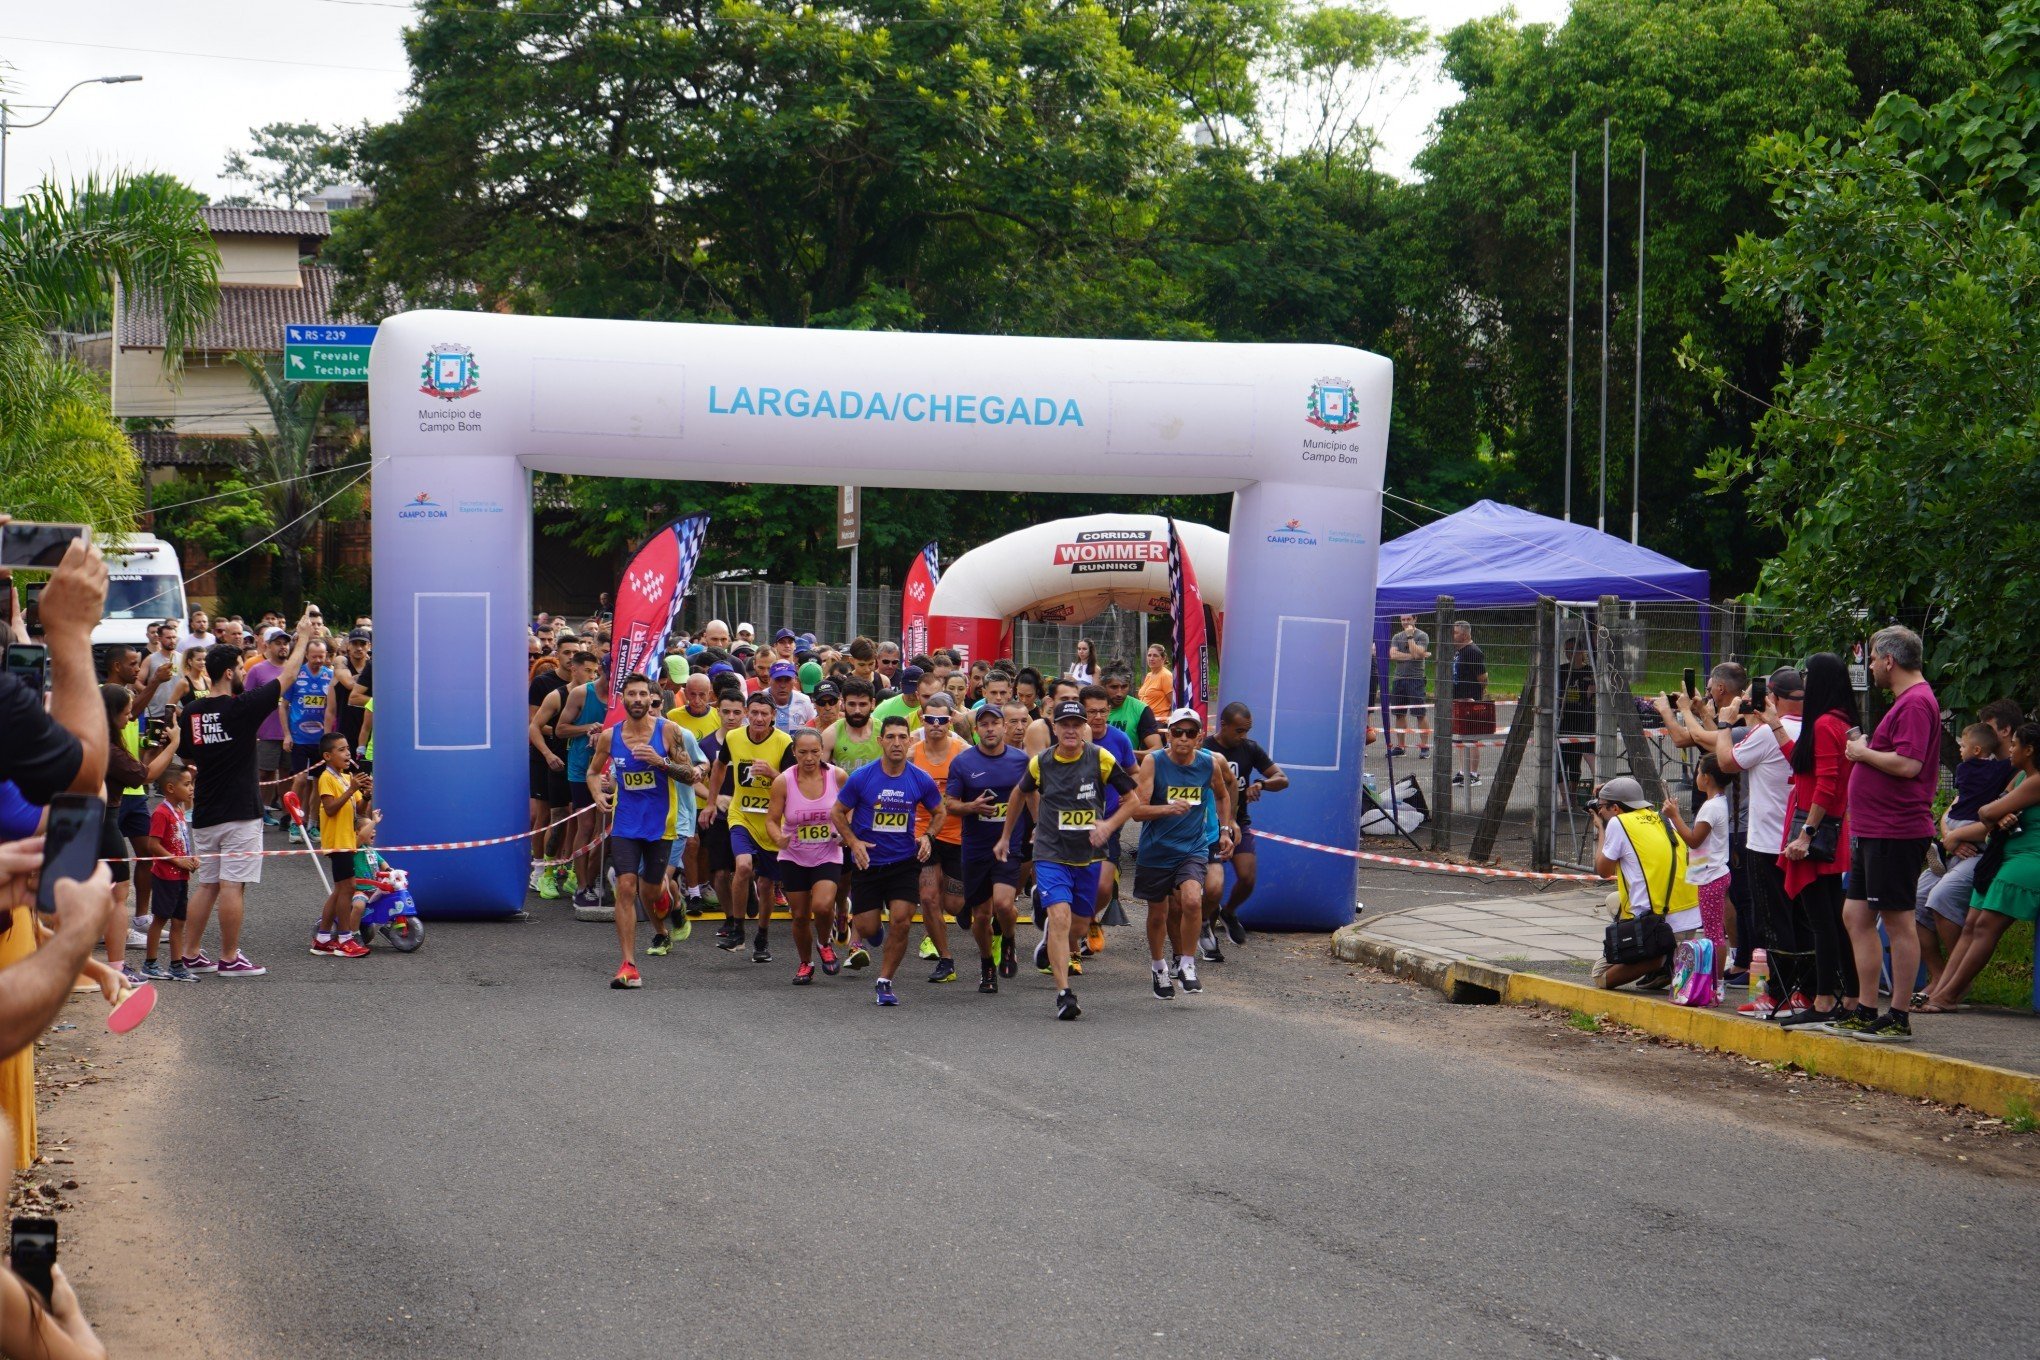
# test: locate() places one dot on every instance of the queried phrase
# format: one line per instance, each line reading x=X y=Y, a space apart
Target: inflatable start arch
x=468 y=403
x=1068 y=571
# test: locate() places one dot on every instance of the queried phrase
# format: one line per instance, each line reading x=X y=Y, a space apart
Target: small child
x=339 y=792
x=169 y=839
x=368 y=864
x=1707 y=853
x=1982 y=774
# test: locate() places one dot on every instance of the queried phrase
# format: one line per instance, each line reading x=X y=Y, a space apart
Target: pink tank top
x=810 y=839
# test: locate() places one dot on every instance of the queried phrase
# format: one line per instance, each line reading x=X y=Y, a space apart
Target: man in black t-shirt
x=1246 y=758
x=226 y=816
x=548 y=765
x=1469 y=683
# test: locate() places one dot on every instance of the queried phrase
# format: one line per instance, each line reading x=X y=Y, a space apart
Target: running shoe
x=1207 y=947
x=1041 y=956
x=154 y=971
x=1234 y=931
x=928 y=950
x=1811 y=1018
x=1040 y=909
x=1458 y=779
x=549 y=886
x=945 y=971
x=1066 y=1007
x=296 y=836
x=731 y=936
x=1164 y=989
x=1888 y=1028
x=1084 y=950
x=627 y=978
x=988 y=978
x=886 y=995
x=1423 y=753
x=1094 y=942
x=759 y=953
x=858 y=959
x=831 y=965
x=1009 y=959
x=199 y=963
x=1855 y=1025
x=661 y=945
x=137 y=939
x=804 y=975
x=329 y=945
x=133 y=976
x=683 y=927
x=1076 y=966
x=532 y=880
x=1763 y=1008
x=240 y=966
x=351 y=948
x=587 y=897
x=1397 y=751
x=573 y=883
x=1188 y=977
x=1797 y=1005
x=877 y=940
x=179 y=973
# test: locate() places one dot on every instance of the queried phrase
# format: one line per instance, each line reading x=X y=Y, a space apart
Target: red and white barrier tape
x=379 y=849
x=1428 y=865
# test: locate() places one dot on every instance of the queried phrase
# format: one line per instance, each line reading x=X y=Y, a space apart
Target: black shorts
x=948 y=858
x=340 y=864
x=874 y=889
x=578 y=796
x=1110 y=853
x=134 y=815
x=301 y=757
x=1406 y=692
x=1889 y=870
x=982 y=873
x=717 y=856
x=548 y=786
x=112 y=848
x=798 y=878
x=634 y=857
x=1243 y=843
x=167 y=901
x=1158 y=882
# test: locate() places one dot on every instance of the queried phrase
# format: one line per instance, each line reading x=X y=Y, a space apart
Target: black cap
x=1067 y=709
x=1787 y=683
x=826 y=693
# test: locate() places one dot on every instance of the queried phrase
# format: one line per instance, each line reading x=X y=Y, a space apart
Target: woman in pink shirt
x=810 y=855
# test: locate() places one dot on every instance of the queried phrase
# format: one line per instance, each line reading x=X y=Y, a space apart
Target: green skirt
x=2015 y=892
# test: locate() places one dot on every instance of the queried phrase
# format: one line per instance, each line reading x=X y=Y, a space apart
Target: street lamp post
x=7 y=126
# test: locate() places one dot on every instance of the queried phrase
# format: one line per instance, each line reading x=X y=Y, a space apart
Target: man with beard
x=635 y=772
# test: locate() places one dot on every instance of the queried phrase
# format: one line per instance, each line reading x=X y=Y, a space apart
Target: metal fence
x=825 y=611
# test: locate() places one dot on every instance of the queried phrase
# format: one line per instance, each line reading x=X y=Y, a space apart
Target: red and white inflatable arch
x=1067 y=571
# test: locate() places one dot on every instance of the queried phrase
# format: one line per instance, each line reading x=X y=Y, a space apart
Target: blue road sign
x=328 y=335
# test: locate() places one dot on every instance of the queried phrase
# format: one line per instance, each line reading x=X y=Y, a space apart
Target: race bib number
x=815 y=832
x=997 y=814
x=1076 y=819
x=889 y=821
x=313 y=701
x=1192 y=794
x=640 y=781
x=754 y=800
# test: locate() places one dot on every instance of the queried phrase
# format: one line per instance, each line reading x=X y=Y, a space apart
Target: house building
x=269 y=277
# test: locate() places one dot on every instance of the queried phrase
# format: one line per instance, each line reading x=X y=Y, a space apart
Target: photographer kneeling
x=1647 y=860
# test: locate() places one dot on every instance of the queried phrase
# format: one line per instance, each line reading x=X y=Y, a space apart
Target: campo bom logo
x=450 y=373
x=1332 y=405
x=422 y=506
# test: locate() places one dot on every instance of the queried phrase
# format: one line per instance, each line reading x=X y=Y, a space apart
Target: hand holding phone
x=32 y=1252
x=38 y=547
x=70 y=844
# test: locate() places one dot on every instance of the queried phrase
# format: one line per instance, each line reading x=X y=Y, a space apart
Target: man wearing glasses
x=942 y=875
x=886 y=682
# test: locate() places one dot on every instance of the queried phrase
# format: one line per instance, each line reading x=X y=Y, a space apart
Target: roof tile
x=267 y=221
x=250 y=316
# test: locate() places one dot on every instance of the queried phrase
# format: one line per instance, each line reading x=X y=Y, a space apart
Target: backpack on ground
x=1693 y=974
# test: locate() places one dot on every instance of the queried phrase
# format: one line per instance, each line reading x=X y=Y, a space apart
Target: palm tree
x=62 y=454
x=284 y=460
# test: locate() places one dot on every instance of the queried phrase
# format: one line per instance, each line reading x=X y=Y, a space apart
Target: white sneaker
x=137 y=939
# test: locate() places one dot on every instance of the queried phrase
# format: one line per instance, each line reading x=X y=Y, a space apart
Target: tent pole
x=1601 y=522
x=1572 y=269
x=1636 y=433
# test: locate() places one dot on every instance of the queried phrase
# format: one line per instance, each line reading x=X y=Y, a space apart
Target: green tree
x=1480 y=335
x=1894 y=457
x=282 y=462
x=62 y=455
x=285 y=162
x=219 y=517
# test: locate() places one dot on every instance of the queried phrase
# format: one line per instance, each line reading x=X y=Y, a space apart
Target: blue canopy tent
x=1491 y=555
x=1494 y=556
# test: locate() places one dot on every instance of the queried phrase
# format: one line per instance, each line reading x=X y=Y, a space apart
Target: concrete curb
x=1900 y=1070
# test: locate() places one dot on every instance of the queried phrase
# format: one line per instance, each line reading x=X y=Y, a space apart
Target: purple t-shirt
x=260 y=674
x=1884 y=806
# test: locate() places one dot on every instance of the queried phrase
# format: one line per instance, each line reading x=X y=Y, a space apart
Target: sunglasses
x=936 y=720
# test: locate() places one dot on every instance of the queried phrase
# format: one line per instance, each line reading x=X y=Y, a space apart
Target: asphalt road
x=481 y=1150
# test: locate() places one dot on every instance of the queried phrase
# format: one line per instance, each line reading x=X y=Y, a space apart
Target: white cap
x=744 y=628
x=1188 y=715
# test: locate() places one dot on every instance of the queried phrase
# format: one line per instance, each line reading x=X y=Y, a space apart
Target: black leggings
x=1819 y=907
x=1788 y=950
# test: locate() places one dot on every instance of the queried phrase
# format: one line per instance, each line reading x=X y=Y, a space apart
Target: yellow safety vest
x=1663 y=857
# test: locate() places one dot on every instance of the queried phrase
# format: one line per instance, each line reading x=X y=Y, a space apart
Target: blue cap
x=721 y=668
x=910 y=675
x=694 y=650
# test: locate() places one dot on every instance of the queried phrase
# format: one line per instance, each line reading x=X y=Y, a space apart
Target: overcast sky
x=212 y=69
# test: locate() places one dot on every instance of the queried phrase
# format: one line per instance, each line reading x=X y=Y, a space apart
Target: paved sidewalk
x=1557 y=934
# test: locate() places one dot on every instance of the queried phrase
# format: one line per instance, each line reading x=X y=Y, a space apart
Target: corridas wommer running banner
x=647 y=599
x=921 y=579
x=1193 y=646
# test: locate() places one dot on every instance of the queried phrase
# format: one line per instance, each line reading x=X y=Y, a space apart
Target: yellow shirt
x=703 y=727
x=336 y=832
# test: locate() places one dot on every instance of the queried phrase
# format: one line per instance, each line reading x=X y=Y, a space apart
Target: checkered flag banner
x=648 y=597
x=1192 y=659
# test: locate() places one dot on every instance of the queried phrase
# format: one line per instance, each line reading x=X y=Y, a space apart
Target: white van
x=144 y=585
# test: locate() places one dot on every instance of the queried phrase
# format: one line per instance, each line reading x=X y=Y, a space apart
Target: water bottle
x=1760 y=973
